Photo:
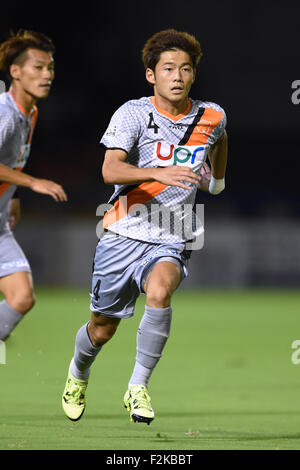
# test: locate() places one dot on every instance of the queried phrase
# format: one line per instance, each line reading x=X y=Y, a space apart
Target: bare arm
x=14 y=212
x=218 y=157
x=7 y=175
x=116 y=170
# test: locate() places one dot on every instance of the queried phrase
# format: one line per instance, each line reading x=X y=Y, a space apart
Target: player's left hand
x=14 y=213
x=205 y=178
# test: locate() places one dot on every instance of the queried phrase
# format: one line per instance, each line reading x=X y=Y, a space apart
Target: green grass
x=225 y=381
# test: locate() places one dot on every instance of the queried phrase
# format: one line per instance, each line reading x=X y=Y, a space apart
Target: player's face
x=36 y=74
x=173 y=76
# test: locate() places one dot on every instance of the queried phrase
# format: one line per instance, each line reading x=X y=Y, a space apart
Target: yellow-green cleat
x=138 y=402
x=73 y=399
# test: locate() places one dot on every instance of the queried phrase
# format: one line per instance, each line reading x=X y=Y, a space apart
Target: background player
x=27 y=59
x=156 y=152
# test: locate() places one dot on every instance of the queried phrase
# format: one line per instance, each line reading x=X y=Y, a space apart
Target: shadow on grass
x=178 y=436
x=173 y=415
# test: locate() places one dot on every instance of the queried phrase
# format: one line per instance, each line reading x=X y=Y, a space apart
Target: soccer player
x=156 y=148
x=27 y=59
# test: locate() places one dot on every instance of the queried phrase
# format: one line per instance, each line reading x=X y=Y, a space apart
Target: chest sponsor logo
x=187 y=155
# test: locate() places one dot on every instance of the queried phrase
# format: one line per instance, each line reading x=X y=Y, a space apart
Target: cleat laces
x=75 y=394
x=141 y=399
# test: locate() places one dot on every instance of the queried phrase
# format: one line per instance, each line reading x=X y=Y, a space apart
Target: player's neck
x=173 y=108
x=23 y=99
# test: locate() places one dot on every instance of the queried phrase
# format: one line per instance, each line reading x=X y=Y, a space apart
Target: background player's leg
x=17 y=289
x=155 y=325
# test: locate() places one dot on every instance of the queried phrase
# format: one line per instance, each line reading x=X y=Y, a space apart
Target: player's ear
x=14 y=71
x=150 y=76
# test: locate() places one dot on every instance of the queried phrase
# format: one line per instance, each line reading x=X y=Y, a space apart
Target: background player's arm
x=218 y=157
x=42 y=186
x=116 y=170
x=14 y=212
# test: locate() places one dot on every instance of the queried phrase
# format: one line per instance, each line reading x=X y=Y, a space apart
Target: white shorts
x=12 y=258
x=121 y=266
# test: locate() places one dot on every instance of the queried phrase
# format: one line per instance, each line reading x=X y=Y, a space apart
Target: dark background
x=251 y=58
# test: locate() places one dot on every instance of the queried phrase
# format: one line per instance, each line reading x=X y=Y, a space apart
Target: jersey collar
x=171 y=116
x=21 y=107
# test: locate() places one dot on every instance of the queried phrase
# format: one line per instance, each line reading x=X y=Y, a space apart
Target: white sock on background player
x=152 y=336
x=9 y=318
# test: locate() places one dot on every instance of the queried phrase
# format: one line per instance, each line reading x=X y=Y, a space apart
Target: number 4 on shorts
x=96 y=290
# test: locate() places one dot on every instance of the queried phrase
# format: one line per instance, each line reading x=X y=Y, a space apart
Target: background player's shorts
x=121 y=266
x=12 y=258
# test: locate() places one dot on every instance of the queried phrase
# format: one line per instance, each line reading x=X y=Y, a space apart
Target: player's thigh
x=162 y=281
x=17 y=285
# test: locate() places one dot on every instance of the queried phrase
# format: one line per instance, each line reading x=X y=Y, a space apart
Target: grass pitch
x=225 y=381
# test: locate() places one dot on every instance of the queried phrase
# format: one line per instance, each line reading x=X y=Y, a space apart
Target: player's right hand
x=48 y=187
x=176 y=175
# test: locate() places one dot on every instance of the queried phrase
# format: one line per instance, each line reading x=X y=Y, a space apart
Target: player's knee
x=159 y=296
x=22 y=301
x=100 y=334
x=29 y=301
x=26 y=301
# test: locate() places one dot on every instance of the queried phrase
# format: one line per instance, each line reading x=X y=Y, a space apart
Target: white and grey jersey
x=16 y=129
x=152 y=137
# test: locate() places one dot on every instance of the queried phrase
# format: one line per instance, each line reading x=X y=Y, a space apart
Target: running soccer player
x=27 y=59
x=156 y=148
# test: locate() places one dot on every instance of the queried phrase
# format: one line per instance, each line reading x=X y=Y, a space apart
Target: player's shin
x=152 y=336
x=9 y=318
x=84 y=355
